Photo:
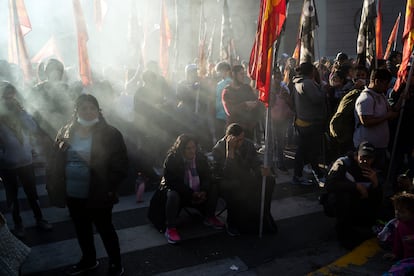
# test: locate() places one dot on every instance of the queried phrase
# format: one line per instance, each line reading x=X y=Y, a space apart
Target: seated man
x=187 y=179
x=357 y=195
x=238 y=166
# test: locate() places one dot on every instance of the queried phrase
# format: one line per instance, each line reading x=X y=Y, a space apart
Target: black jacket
x=108 y=165
x=174 y=171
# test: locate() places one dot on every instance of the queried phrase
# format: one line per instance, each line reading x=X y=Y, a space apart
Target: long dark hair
x=181 y=142
x=86 y=98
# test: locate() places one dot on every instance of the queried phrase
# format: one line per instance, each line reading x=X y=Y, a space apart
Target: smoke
x=109 y=47
x=114 y=51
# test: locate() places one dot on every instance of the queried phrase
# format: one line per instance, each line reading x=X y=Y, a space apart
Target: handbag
x=156 y=210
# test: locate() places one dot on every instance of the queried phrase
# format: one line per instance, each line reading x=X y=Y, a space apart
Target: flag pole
x=400 y=116
x=266 y=152
x=268 y=143
x=398 y=27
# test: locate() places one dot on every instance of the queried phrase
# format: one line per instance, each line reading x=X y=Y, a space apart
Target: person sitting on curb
x=187 y=177
x=241 y=172
x=353 y=181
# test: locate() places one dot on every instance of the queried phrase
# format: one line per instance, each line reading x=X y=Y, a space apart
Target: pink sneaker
x=214 y=222
x=172 y=235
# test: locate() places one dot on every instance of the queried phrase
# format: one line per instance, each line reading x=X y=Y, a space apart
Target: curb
x=357 y=257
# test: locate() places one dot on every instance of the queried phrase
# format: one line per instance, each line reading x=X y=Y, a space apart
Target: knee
x=173 y=197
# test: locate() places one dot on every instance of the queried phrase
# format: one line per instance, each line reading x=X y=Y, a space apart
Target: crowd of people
x=163 y=130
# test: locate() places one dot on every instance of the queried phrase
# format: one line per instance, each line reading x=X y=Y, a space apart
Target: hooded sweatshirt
x=309 y=100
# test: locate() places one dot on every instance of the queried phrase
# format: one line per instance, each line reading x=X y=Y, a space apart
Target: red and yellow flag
x=84 y=65
x=165 y=40
x=269 y=26
x=393 y=38
x=408 y=38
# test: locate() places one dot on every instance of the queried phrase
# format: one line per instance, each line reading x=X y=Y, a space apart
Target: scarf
x=191 y=175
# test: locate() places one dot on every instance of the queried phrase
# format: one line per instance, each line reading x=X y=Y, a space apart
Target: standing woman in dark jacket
x=187 y=177
x=89 y=163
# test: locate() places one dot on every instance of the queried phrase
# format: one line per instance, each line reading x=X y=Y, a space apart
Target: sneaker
x=115 y=270
x=44 y=225
x=300 y=180
x=18 y=231
x=81 y=268
x=214 y=222
x=172 y=235
x=232 y=231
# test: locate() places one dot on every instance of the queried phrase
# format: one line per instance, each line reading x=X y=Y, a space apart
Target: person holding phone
x=353 y=181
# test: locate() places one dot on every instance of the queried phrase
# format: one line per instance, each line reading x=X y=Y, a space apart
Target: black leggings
x=83 y=218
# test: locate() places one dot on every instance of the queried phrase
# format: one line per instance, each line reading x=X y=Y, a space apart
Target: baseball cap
x=366 y=149
x=341 y=56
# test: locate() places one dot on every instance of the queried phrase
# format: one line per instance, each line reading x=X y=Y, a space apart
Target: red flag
x=165 y=40
x=50 y=49
x=24 y=20
x=392 y=38
x=378 y=32
x=19 y=25
x=84 y=66
x=269 y=26
x=408 y=38
x=100 y=9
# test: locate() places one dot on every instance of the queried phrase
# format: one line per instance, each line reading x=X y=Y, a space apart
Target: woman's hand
x=231 y=144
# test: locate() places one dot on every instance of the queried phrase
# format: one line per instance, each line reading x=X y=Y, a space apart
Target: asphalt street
x=305 y=242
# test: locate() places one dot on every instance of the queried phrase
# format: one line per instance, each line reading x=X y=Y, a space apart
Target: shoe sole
x=170 y=241
x=232 y=234
x=85 y=270
x=216 y=227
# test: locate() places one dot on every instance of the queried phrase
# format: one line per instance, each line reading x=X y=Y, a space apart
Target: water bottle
x=139 y=187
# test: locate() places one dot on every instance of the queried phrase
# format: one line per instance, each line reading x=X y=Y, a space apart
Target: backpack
x=342 y=124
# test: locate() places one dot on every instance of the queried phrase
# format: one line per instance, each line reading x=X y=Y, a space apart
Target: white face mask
x=86 y=123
